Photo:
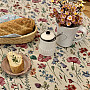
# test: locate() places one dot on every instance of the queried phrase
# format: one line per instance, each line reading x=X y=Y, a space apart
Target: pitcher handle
x=83 y=29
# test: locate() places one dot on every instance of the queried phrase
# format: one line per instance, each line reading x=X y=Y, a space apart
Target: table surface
x=47 y=73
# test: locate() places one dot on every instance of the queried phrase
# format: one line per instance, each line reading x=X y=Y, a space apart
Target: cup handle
x=83 y=29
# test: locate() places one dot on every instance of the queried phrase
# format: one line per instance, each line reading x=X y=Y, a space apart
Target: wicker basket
x=19 y=40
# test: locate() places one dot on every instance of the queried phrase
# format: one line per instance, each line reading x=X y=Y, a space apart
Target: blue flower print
x=86 y=74
x=63 y=65
x=6 y=45
x=55 y=60
x=60 y=54
x=50 y=28
x=30 y=52
x=44 y=1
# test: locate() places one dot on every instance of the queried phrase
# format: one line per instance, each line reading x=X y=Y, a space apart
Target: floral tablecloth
x=67 y=69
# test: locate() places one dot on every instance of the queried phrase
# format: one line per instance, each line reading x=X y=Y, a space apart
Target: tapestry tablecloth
x=67 y=69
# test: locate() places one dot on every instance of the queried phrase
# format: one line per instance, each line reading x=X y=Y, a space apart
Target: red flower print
x=4 y=10
x=33 y=71
x=42 y=19
x=84 y=54
x=50 y=7
x=70 y=80
x=38 y=85
x=41 y=65
x=42 y=58
x=37 y=36
x=88 y=86
x=51 y=15
x=79 y=31
x=21 y=86
x=36 y=48
x=36 y=10
x=56 y=29
x=60 y=77
x=36 y=39
x=88 y=53
x=36 y=1
x=28 y=6
x=83 y=50
x=19 y=7
x=16 y=5
x=88 y=64
x=70 y=87
x=2 y=82
x=73 y=59
x=12 y=86
x=22 y=46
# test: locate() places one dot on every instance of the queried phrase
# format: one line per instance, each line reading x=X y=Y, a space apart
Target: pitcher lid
x=48 y=36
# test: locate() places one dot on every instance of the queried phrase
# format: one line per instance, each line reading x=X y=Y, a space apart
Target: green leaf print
x=52 y=68
x=33 y=57
x=4 y=55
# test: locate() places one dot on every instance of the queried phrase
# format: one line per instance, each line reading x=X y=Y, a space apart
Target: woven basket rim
x=19 y=40
x=29 y=33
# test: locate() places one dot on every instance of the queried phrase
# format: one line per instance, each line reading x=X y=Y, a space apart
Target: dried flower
x=69 y=14
x=68 y=23
x=69 y=17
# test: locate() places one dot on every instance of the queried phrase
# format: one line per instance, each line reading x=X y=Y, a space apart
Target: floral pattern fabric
x=67 y=69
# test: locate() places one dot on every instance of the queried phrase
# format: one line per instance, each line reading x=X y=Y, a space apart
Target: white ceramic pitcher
x=68 y=35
